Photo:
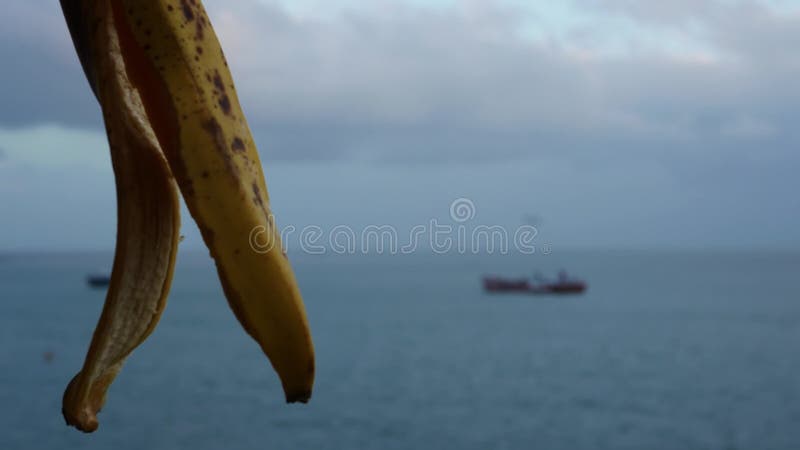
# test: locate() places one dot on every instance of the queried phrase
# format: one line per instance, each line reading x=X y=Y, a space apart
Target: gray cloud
x=430 y=85
x=672 y=13
x=41 y=81
x=38 y=90
x=392 y=82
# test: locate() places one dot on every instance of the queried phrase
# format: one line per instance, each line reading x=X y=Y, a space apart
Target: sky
x=621 y=124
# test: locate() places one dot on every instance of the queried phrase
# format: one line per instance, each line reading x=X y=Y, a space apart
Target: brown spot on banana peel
x=199 y=26
x=257 y=196
x=213 y=128
x=224 y=101
x=188 y=13
x=238 y=145
x=259 y=201
x=225 y=104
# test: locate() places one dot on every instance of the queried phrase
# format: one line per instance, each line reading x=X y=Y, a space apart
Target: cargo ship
x=563 y=285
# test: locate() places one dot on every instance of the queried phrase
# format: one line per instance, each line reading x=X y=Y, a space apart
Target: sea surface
x=666 y=350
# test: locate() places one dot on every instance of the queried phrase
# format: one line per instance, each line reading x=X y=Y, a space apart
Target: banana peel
x=174 y=124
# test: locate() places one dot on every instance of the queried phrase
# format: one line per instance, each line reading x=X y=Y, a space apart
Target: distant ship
x=564 y=285
x=98 y=280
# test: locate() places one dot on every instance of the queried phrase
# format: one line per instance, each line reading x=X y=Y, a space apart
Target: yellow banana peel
x=173 y=122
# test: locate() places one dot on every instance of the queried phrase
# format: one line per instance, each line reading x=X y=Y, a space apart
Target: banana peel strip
x=147 y=230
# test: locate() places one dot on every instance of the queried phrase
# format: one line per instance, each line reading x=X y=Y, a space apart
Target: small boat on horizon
x=563 y=285
x=98 y=280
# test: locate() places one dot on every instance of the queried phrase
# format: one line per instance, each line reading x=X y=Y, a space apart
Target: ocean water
x=665 y=351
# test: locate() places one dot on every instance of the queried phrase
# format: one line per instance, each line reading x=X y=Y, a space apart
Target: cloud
x=41 y=79
x=675 y=12
x=394 y=81
x=398 y=82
